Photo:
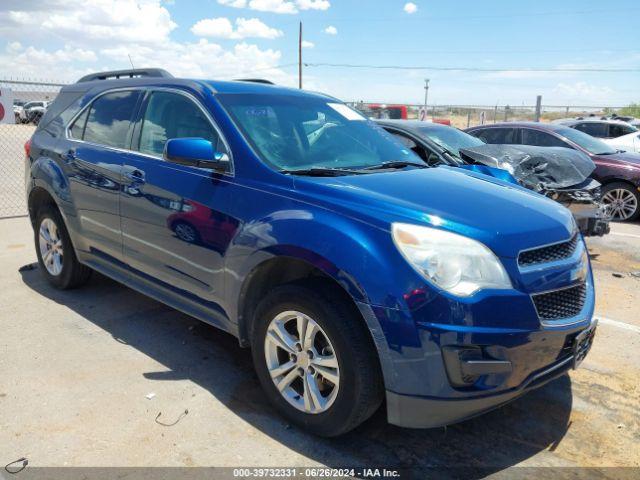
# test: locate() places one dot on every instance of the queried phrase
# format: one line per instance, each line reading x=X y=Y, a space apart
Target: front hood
x=505 y=217
x=627 y=157
x=537 y=168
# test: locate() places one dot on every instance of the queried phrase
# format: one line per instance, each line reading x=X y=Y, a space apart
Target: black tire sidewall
x=332 y=421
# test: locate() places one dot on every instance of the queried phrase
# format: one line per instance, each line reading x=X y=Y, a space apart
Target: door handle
x=70 y=156
x=136 y=176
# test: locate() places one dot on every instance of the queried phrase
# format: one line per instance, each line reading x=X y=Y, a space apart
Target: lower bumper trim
x=411 y=411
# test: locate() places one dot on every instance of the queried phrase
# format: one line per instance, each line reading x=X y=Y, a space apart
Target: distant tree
x=632 y=110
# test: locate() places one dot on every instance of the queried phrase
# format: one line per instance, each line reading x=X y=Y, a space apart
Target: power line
x=482 y=17
x=400 y=51
x=473 y=69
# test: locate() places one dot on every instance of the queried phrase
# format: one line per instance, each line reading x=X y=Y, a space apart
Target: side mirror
x=194 y=152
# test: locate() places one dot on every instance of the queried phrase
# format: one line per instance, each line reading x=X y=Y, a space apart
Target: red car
x=617 y=171
x=198 y=224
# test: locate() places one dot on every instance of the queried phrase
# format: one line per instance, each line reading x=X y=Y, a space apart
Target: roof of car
x=412 y=124
x=216 y=86
x=574 y=121
x=537 y=125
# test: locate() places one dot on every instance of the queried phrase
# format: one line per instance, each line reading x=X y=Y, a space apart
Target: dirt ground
x=84 y=375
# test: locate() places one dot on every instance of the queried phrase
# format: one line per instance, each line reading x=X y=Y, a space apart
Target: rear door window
x=110 y=118
x=498 y=135
x=541 y=139
x=598 y=130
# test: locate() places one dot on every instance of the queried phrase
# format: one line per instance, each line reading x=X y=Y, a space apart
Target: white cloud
x=234 y=3
x=118 y=20
x=245 y=28
x=308 y=44
x=204 y=59
x=278 y=6
x=410 y=8
x=275 y=6
x=313 y=4
x=76 y=37
x=584 y=90
x=331 y=30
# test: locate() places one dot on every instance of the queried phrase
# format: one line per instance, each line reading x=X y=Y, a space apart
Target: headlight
x=454 y=263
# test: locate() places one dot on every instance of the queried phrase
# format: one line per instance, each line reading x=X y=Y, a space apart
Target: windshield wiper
x=395 y=164
x=322 y=172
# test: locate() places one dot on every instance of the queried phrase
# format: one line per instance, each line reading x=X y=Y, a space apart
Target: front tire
x=315 y=359
x=56 y=257
x=622 y=201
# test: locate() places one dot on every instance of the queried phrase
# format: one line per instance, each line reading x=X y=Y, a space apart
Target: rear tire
x=341 y=377
x=622 y=201
x=56 y=256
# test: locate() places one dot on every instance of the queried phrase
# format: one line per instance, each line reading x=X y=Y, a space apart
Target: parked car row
x=617 y=171
x=29 y=112
x=620 y=132
x=559 y=173
x=358 y=271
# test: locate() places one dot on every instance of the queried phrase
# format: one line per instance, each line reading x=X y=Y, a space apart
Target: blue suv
x=354 y=272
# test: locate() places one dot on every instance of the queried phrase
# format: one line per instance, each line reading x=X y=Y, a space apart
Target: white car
x=32 y=110
x=629 y=142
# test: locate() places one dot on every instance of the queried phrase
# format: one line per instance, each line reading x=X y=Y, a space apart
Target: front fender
x=354 y=254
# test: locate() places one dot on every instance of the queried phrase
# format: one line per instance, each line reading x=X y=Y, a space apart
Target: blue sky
x=227 y=38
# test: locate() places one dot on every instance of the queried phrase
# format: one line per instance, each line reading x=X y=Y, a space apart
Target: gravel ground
x=77 y=368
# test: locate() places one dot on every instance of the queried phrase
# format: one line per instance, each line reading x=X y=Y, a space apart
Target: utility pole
x=426 y=96
x=538 y=107
x=300 y=58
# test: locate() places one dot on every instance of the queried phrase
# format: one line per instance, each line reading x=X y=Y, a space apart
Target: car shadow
x=212 y=359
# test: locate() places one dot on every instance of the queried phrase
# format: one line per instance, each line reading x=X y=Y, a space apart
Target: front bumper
x=412 y=411
x=591 y=218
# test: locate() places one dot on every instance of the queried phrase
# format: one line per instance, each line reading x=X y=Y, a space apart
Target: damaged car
x=559 y=173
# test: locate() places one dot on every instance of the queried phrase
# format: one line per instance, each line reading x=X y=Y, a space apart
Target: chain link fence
x=464 y=116
x=30 y=100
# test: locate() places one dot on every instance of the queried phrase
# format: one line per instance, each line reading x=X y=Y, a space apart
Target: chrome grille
x=551 y=253
x=565 y=303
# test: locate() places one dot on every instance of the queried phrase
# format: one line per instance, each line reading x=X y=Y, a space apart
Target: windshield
x=451 y=139
x=589 y=143
x=297 y=132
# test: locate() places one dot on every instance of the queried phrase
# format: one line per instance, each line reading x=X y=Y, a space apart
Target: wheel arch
x=277 y=270
x=39 y=196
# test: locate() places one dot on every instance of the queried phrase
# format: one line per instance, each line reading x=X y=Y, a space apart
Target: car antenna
x=130 y=61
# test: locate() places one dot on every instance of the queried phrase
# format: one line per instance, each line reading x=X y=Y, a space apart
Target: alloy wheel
x=621 y=203
x=185 y=232
x=50 y=243
x=302 y=362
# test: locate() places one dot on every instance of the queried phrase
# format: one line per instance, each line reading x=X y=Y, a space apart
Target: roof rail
x=132 y=73
x=255 y=80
